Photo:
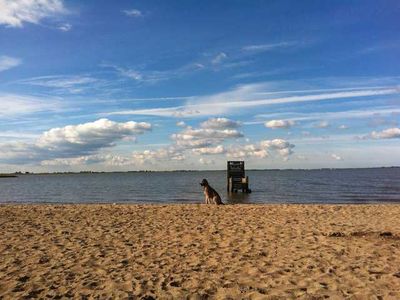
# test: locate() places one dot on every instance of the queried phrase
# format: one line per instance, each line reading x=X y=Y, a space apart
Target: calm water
x=288 y=186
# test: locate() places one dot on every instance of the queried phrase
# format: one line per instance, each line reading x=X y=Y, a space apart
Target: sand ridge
x=199 y=252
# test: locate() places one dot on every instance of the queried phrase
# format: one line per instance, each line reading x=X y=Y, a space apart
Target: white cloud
x=65 y=27
x=17 y=135
x=207 y=139
x=245 y=96
x=98 y=134
x=279 y=124
x=176 y=112
x=199 y=106
x=247 y=151
x=152 y=76
x=376 y=113
x=205 y=161
x=262 y=149
x=73 y=84
x=153 y=156
x=322 y=124
x=219 y=58
x=317 y=97
x=130 y=73
x=74 y=141
x=301 y=157
x=13 y=13
x=8 y=62
x=343 y=126
x=107 y=159
x=219 y=123
x=390 y=133
x=336 y=157
x=201 y=138
x=181 y=124
x=268 y=47
x=133 y=13
x=13 y=105
x=209 y=150
x=60 y=81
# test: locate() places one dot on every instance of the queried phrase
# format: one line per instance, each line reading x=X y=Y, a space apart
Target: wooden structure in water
x=236 y=177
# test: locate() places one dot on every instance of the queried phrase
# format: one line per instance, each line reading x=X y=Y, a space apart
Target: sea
x=324 y=186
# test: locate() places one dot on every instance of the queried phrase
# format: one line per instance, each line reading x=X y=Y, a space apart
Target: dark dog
x=212 y=197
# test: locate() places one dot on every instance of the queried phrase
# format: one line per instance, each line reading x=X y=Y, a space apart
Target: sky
x=170 y=85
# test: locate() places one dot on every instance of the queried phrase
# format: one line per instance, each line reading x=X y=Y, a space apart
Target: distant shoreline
x=16 y=174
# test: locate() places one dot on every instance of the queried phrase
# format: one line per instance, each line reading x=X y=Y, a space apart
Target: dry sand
x=200 y=252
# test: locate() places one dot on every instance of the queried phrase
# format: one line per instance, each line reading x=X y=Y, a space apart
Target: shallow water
x=272 y=186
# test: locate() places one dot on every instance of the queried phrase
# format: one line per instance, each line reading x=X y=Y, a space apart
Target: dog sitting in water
x=212 y=197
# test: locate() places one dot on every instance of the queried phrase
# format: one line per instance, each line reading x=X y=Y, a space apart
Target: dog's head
x=204 y=182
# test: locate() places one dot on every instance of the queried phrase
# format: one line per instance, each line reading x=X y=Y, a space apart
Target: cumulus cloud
x=262 y=149
x=98 y=134
x=181 y=124
x=13 y=13
x=73 y=141
x=152 y=156
x=279 y=124
x=336 y=157
x=205 y=161
x=219 y=123
x=8 y=62
x=209 y=150
x=247 y=151
x=133 y=13
x=208 y=139
x=390 y=133
x=205 y=133
x=203 y=137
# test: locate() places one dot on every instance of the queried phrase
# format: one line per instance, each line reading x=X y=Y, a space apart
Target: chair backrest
x=235 y=169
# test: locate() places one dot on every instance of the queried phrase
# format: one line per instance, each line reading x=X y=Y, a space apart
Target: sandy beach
x=200 y=252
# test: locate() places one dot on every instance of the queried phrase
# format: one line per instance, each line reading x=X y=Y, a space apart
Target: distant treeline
x=15 y=174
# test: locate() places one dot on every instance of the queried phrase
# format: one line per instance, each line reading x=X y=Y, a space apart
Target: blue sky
x=162 y=85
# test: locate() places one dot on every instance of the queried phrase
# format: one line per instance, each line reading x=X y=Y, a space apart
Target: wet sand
x=200 y=252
